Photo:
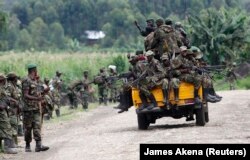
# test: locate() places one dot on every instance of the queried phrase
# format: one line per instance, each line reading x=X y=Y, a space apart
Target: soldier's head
x=150 y=55
x=32 y=71
x=102 y=70
x=11 y=76
x=159 y=22
x=183 y=50
x=168 y=21
x=150 y=22
x=2 y=79
x=133 y=59
x=58 y=73
x=85 y=73
x=178 y=25
x=46 y=81
x=165 y=60
x=140 y=52
x=234 y=64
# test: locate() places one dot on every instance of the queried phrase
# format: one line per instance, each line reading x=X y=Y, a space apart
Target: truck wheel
x=200 y=116
x=143 y=123
x=206 y=116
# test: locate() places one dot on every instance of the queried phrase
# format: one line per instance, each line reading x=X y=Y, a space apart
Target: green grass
x=222 y=84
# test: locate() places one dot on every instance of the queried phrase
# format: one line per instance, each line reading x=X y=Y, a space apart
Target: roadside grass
x=222 y=84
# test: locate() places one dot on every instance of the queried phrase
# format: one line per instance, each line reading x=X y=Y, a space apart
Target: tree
x=222 y=35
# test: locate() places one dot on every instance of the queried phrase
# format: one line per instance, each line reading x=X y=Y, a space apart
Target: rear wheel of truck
x=143 y=123
x=200 y=116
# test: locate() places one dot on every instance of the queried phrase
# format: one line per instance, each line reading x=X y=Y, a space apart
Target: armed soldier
x=184 y=67
x=231 y=76
x=165 y=40
x=31 y=111
x=154 y=74
x=49 y=105
x=149 y=28
x=101 y=81
x=182 y=34
x=14 y=109
x=112 y=84
x=207 y=83
x=5 y=126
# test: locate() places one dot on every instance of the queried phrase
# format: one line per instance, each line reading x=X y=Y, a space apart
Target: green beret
x=31 y=66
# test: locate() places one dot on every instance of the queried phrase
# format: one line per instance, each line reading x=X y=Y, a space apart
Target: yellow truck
x=177 y=109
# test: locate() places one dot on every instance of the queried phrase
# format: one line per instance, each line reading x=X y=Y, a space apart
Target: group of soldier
x=167 y=60
x=26 y=101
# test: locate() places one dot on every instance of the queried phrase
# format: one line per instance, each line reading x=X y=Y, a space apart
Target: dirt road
x=102 y=134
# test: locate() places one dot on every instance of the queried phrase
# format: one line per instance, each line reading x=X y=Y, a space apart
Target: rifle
x=139 y=28
x=142 y=76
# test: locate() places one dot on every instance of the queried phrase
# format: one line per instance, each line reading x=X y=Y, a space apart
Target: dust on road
x=102 y=134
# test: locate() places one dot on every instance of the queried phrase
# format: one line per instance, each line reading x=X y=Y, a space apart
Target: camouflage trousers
x=113 y=93
x=32 y=121
x=175 y=83
x=85 y=99
x=14 y=124
x=207 y=81
x=102 y=92
x=192 y=78
x=5 y=127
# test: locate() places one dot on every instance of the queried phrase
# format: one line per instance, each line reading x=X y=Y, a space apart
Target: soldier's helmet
x=150 y=53
x=183 y=48
x=159 y=21
x=178 y=24
x=2 y=76
x=164 y=57
x=196 y=51
x=150 y=21
x=11 y=75
x=168 y=21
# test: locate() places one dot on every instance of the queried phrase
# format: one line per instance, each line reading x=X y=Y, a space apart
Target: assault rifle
x=139 y=28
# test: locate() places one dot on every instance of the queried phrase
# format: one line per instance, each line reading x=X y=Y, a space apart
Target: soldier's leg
x=100 y=94
x=14 y=126
x=149 y=95
x=105 y=96
x=165 y=91
x=57 y=109
x=27 y=124
x=206 y=84
x=36 y=125
x=175 y=84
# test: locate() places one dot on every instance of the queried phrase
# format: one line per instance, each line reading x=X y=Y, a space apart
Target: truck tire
x=200 y=116
x=143 y=123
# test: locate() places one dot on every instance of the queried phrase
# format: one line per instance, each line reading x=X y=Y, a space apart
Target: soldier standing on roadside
x=231 y=76
x=5 y=127
x=31 y=111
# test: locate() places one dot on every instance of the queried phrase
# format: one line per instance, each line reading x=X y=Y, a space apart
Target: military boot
x=212 y=92
x=144 y=101
x=165 y=95
x=20 y=130
x=153 y=101
x=7 y=147
x=27 y=147
x=58 y=112
x=40 y=147
x=207 y=96
x=176 y=94
x=197 y=99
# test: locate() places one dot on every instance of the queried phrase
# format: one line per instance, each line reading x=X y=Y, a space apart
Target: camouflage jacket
x=33 y=89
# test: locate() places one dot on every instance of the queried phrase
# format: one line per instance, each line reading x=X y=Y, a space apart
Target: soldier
x=13 y=110
x=101 y=81
x=112 y=83
x=5 y=126
x=154 y=74
x=207 y=82
x=56 y=97
x=20 y=123
x=149 y=28
x=31 y=114
x=49 y=105
x=72 y=95
x=83 y=86
x=183 y=66
x=182 y=34
x=165 y=40
x=231 y=76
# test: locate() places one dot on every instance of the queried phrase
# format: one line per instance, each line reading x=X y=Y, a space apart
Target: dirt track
x=103 y=134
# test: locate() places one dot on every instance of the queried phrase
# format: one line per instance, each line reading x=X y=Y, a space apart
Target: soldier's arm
x=155 y=40
x=26 y=94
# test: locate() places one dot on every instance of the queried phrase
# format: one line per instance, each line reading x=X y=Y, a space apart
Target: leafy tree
x=222 y=35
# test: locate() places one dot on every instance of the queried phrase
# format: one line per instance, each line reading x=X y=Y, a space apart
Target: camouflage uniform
x=181 y=33
x=150 y=28
x=102 y=86
x=165 y=41
x=32 y=110
x=231 y=76
x=56 y=99
x=112 y=84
